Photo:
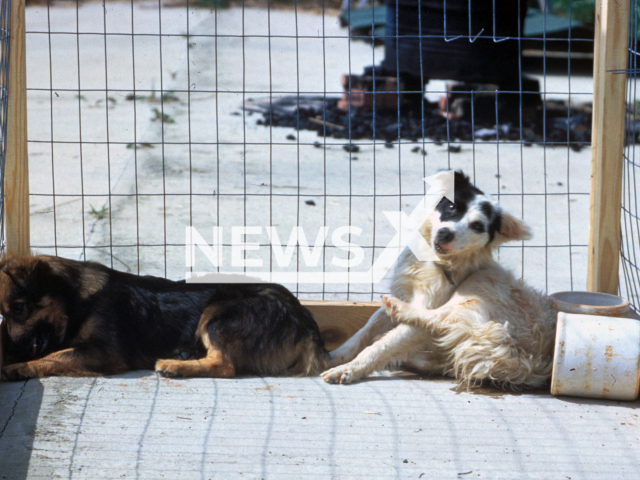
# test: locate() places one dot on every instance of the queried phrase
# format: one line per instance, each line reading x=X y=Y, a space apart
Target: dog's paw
x=343 y=374
x=17 y=371
x=393 y=306
x=167 y=368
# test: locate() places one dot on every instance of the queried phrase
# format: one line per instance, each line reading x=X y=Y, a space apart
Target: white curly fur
x=488 y=326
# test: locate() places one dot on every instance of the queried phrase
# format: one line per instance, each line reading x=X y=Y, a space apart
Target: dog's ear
x=12 y=269
x=512 y=228
x=26 y=273
x=21 y=286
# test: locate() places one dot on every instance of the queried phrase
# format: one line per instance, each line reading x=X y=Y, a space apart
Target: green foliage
x=98 y=214
x=163 y=117
x=136 y=146
x=170 y=96
x=581 y=10
x=585 y=10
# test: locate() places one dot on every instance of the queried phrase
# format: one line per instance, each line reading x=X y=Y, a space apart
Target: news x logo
x=407 y=235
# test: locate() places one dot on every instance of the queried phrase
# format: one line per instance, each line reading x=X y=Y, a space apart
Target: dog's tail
x=312 y=358
x=311 y=355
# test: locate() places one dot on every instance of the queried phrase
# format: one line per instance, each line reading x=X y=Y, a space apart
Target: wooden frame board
x=338 y=321
x=16 y=170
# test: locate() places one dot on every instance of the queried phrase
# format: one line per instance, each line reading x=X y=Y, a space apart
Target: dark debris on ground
x=555 y=123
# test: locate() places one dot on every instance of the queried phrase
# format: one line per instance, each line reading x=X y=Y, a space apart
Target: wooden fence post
x=610 y=53
x=16 y=173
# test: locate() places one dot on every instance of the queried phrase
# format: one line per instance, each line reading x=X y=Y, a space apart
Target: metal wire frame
x=630 y=224
x=54 y=138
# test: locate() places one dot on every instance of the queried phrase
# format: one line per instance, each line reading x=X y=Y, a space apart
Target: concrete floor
x=140 y=426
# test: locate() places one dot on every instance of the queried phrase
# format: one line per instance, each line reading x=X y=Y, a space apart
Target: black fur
x=487 y=209
x=465 y=194
x=495 y=225
x=137 y=320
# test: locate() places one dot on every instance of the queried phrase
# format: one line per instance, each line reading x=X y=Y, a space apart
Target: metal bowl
x=590 y=303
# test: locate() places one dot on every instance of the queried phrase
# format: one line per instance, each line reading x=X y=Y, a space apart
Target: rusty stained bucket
x=596 y=357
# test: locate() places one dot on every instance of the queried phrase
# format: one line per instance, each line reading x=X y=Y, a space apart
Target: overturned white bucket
x=596 y=357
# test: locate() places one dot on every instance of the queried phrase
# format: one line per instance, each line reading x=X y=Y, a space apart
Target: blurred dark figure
x=419 y=45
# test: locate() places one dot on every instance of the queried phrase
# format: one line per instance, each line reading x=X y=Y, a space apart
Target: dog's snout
x=444 y=235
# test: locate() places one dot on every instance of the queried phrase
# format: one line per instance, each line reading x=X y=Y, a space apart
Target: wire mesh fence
x=147 y=118
x=630 y=239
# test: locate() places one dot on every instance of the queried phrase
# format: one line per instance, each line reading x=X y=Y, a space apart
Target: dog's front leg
x=378 y=324
x=395 y=346
x=70 y=362
x=404 y=313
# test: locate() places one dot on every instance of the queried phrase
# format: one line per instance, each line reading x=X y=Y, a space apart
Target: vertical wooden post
x=16 y=172
x=610 y=53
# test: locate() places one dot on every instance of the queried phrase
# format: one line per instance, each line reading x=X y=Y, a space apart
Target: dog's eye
x=17 y=309
x=451 y=207
x=477 y=227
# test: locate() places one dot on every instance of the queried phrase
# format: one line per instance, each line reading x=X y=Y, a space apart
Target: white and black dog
x=464 y=316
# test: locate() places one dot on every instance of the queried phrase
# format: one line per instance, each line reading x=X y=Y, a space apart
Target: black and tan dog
x=83 y=319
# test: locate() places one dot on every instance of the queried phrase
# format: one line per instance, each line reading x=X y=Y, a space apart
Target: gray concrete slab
x=140 y=426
